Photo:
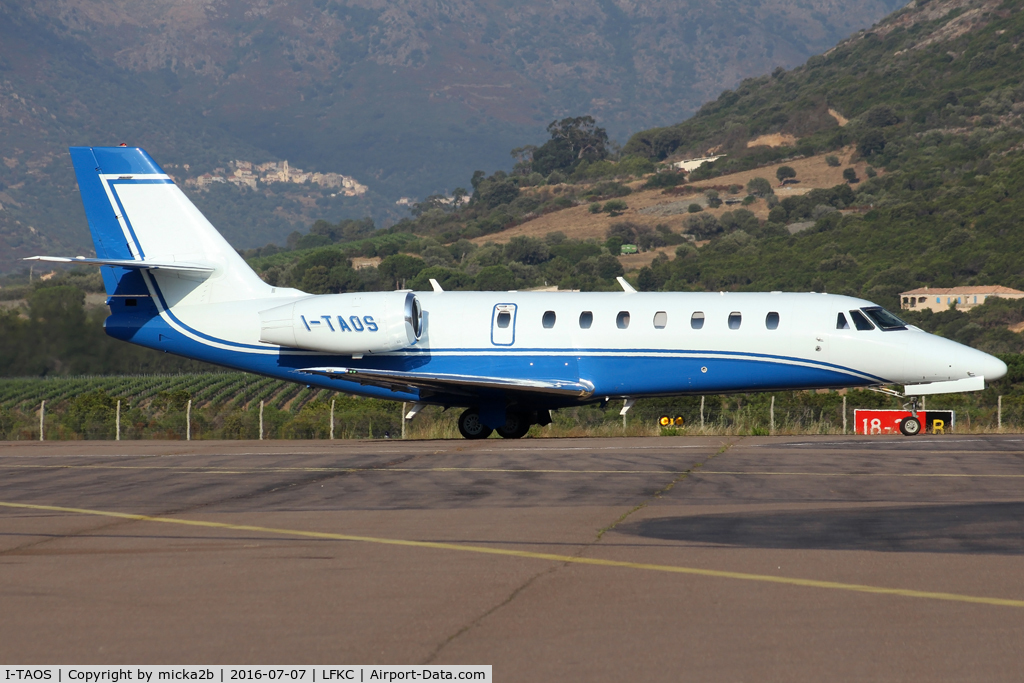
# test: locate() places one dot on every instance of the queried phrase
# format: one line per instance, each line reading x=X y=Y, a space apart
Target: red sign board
x=888 y=421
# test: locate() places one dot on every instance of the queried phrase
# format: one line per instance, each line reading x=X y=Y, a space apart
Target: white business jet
x=509 y=358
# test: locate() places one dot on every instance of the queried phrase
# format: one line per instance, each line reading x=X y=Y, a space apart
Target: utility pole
x=42 y=420
x=118 y=421
x=188 y=421
x=261 y=420
x=844 y=414
x=332 y=419
x=999 y=414
x=403 y=419
x=702 y=412
x=771 y=413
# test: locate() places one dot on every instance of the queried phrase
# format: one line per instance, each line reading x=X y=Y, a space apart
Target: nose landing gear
x=909 y=426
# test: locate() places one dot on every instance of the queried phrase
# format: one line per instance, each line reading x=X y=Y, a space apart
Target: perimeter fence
x=235 y=405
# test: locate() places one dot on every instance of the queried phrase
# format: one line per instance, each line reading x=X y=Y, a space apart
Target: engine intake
x=374 y=322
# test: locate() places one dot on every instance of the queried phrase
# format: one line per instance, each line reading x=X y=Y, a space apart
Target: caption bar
x=230 y=674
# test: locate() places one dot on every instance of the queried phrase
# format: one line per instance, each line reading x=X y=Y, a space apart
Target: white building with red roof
x=963 y=298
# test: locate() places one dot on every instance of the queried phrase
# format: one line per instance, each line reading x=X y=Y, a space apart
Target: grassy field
x=228 y=406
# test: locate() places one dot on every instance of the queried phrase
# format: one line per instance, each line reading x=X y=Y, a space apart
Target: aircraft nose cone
x=990 y=367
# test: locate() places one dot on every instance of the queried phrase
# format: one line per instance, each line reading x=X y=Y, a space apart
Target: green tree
x=528 y=250
x=399 y=268
x=759 y=187
x=783 y=173
x=495 y=279
x=609 y=267
x=573 y=140
x=872 y=142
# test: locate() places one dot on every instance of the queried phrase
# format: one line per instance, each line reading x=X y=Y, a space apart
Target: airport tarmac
x=658 y=559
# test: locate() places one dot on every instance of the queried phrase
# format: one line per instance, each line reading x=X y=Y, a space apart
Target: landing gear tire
x=471 y=427
x=516 y=426
x=910 y=426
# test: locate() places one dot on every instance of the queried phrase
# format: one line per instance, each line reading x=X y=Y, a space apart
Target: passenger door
x=503 y=325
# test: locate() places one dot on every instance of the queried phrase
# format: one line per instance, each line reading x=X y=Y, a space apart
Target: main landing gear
x=471 y=427
x=517 y=424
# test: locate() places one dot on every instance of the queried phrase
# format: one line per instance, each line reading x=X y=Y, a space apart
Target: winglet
x=435 y=286
x=626 y=287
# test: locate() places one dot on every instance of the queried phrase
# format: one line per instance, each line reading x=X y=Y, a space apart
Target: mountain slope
x=407 y=97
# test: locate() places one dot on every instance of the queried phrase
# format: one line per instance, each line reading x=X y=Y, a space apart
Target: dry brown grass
x=579 y=224
x=773 y=140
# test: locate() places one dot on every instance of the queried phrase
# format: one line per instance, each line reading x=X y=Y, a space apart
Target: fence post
x=118 y=421
x=332 y=419
x=999 y=414
x=188 y=421
x=844 y=413
x=42 y=420
x=261 y=420
x=771 y=413
x=702 y=412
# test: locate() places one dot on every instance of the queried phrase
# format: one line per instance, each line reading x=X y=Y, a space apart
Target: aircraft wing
x=396 y=380
x=127 y=263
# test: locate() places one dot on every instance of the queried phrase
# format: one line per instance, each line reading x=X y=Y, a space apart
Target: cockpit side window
x=885 y=320
x=841 y=323
x=860 y=322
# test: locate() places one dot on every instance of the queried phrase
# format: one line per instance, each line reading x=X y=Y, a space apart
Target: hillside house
x=963 y=298
x=688 y=165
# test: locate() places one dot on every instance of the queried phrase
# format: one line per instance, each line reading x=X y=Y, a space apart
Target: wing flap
x=128 y=263
x=452 y=384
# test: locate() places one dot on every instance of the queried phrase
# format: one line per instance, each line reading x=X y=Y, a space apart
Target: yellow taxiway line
x=567 y=559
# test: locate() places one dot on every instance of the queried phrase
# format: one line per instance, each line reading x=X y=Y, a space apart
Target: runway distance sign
x=866 y=421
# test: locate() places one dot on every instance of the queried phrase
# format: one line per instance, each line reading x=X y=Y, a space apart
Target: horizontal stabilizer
x=452 y=384
x=128 y=263
x=948 y=387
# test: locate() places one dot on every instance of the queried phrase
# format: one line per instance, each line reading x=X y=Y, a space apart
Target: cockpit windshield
x=885 y=320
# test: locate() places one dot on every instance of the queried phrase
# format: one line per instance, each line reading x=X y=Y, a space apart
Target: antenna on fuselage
x=626 y=287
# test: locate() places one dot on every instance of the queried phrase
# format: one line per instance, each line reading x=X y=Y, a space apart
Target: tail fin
x=137 y=213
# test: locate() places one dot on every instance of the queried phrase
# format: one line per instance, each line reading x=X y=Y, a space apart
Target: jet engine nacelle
x=349 y=324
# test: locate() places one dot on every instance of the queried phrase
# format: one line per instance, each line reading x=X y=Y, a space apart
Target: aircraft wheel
x=516 y=426
x=471 y=427
x=910 y=426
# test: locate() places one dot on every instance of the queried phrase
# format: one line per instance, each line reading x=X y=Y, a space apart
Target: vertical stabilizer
x=136 y=212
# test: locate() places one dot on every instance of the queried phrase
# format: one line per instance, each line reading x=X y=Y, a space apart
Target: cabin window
x=548 y=321
x=504 y=318
x=841 y=322
x=622 y=320
x=735 y=320
x=697 y=320
x=131 y=302
x=586 y=320
x=885 y=320
x=660 y=320
x=771 y=321
x=860 y=322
